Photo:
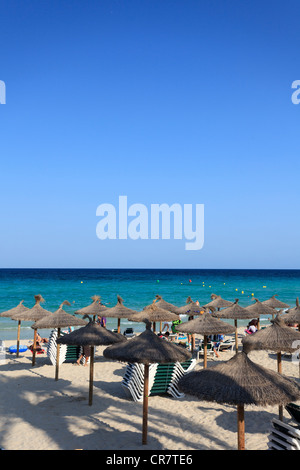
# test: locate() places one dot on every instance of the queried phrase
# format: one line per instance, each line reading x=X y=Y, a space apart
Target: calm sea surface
x=137 y=287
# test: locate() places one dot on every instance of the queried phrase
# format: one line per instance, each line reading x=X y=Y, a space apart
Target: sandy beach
x=39 y=413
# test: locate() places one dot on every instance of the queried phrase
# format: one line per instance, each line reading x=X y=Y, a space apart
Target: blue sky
x=163 y=101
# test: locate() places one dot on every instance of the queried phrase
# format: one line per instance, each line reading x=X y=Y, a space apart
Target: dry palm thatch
x=191 y=308
x=145 y=349
x=119 y=311
x=95 y=308
x=59 y=319
x=258 y=308
x=234 y=312
x=206 y=325
x=33 y=314
x=20 y=308
x=153 y=314
x=161 y=303
x=91 y=335
x=240 y=381
x=275 y=303
x=277 y=338
x=292 y=317
x=217 y=302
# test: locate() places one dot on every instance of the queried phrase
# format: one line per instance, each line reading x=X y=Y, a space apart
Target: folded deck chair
x=283 y=436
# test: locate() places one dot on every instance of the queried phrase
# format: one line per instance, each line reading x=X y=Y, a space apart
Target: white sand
x=39 y=413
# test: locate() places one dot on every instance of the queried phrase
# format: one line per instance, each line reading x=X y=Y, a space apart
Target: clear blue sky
x=169 y=101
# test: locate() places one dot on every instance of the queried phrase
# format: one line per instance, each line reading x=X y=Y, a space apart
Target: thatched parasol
x=240 y=382
x=191 y=308
x=91 y=335
x=20 y=308
x=147 y=348
x=292 y=316
x=153 y=314
x=235 y=312
x=95 y=308
x=258 y=308
x=58 y=319
x=33 y=314
x=161 y=303
x=119 y=311
x=217 y=302
x=206 y=325
x=275 y=303
x=278 y=338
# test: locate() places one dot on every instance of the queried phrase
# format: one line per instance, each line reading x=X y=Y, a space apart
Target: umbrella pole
x=241 y=427
x=57 y=355
x=145 y=403
x=119 y=325
x=91 y=376
x=34 y=348
x=18 y=340
x=279 y=370
x=236 y=337
x=205 y=353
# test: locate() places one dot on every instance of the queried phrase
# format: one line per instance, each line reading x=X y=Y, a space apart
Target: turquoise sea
x=137 y=287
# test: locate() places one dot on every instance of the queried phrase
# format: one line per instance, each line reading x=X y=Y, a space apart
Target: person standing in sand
x=86 y=353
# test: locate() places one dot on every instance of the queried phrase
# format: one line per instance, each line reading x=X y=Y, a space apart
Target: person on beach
x=86 y=353
x=101 y=321
x=252 y=327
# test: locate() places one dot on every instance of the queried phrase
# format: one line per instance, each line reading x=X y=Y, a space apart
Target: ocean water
x=138 y=288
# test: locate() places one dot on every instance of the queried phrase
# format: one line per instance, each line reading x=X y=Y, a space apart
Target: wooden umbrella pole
x=205 y=352
x=145 y=404
x=18 y=338
x=119 y=325
x=91 y=376
x=279 y=370
x=34 y=348
x=241 y=427
x=57 y=355
x=236 y=337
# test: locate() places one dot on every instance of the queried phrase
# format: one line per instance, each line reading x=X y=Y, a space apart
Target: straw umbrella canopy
x=278 y=338
x=95 y=308
x=33 y=314
x=119 y=311
x=153 y=313
x=275 y=303
x=293 y=315
x=235 y=312
x=217 y=302
x=147 y=348
x=258 y=308
x=240 y=382
x=206 y=325
x=91 y=335
x=191 y=308
x=161 y=303
x=20 y=308
x=59 y=319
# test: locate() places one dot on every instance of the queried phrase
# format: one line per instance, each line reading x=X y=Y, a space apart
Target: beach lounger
x=294 y=410
x=283 y=436
x=129 y=333
x=163 y=379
